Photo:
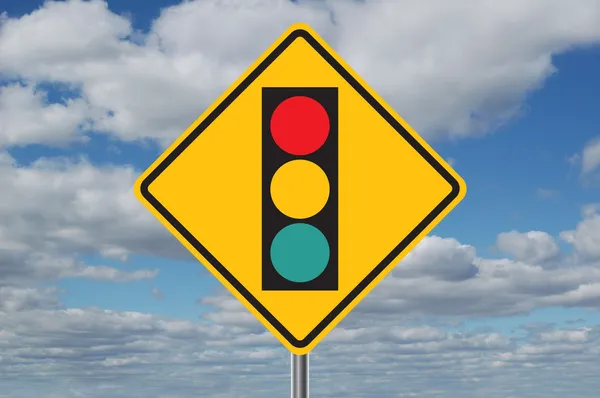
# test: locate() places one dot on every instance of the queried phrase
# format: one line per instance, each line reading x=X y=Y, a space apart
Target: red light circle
x=300 y=125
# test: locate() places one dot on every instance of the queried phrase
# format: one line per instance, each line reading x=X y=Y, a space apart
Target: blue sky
x=86 y=235
x=502 y=184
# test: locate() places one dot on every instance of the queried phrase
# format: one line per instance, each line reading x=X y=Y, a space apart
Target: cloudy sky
x=98 y=300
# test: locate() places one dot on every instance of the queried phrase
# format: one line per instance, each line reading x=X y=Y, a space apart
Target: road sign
x=300 y=189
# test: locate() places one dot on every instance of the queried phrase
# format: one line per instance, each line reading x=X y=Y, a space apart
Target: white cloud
x=72 y=207
x=590 y=210
x=92 y=33
x=590 y=158
x=444 y=259
x=566 y=336
x=229 y=353
x=13 y=298
x=585 y=238
x=423 y=58
x=60 y=210
x=102 y=272
x=26 y=117
x=499 y=287
x=534 y=247
x=574 y=159
x=420 y=56
x=155 y=356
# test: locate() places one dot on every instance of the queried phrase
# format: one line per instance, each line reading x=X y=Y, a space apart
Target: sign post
x=300 y=189
x=299 y=376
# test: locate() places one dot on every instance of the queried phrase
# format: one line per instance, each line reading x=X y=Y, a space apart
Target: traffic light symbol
x=300 y=189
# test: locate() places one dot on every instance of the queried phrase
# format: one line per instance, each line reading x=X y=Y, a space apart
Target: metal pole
x=299 y=376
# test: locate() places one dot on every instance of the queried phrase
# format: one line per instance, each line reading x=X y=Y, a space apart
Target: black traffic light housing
x=326 y=157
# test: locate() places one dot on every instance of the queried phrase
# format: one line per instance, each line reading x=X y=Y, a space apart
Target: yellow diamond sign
x=300 y=189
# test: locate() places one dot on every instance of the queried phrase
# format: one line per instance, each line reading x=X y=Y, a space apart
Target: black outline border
x=300 y=33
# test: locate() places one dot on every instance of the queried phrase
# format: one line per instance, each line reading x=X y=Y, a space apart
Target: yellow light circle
x=300 y=189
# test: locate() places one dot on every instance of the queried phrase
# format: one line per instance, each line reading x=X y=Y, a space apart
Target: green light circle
x=300 y=252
